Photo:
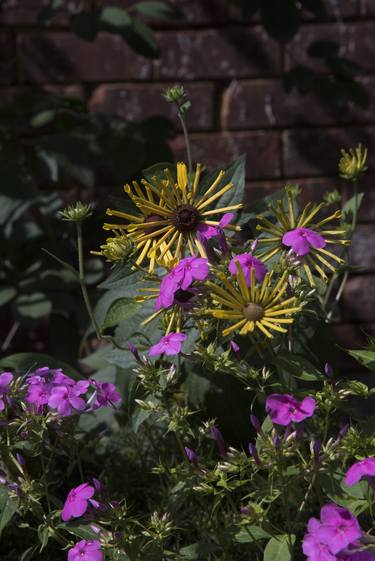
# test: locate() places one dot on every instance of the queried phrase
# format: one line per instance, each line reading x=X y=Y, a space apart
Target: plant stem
x=186 y=137
x=82 y=280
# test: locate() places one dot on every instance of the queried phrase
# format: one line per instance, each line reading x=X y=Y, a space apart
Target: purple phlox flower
x=77 y=501
x=38 y=394
x=219 y=439
x=169 y=344
x=301 y=240
x=245 y=510
x=285 y=409
x=86 y=551
x=191 y=456
x=5 y=381
x=362 y=555
x=313 y=547
x=256 y=423
x=339 y=528
x=235 y=348
x=60 y=379
x=206 y=231
x=360 y=469
x=66 y=399
x=106 y=394
x=342 y=433
x=247 y=263
x=254 y=453
x=133 y=349
x=180 y=278
x=192 y=268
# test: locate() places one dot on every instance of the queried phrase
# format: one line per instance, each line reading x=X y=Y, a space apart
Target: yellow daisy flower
x=170 y=215
x=290 y=221
x=255 y=309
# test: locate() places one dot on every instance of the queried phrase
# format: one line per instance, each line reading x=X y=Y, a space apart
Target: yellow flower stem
x=181 y=116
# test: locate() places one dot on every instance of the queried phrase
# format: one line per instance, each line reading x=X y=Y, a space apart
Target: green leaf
x=32 y=306
x=114 y=19
x=48 y=12
x=298 y=366
x=142 y=39
x=323 y=49
x=24 y=362
x=351 y=206
x=158 y=10
x=364 y=357
x=83 y=531
x=43 y=118
x=120 y=310
x=278 y=549
x=6 y=294
x=29 y=553
x=8 y=508
x=248 y=534
x=280 y=19
x=158 y=170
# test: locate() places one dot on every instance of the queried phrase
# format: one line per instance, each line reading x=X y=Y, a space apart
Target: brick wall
x=233 y=74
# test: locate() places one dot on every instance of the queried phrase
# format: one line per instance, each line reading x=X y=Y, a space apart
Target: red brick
x=221 y=53
x=362 y=251
x=355 y=39
x=7 y=58
x=316 y=151
x=262 y=151
x=139 y=101
x=367 y=8
x=62 y=57
x=265 y=103
x=359 y=298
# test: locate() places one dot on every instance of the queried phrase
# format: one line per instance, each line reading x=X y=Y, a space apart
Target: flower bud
x=352 y=163
x=218 y=437
x=256 y=423
x=254 y=453
x=77 y=212
x=191 y=456
x=175 y=93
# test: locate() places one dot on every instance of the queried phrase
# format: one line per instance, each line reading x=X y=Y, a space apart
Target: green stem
x=82 y=280
x=186 y=137
x=45 y=482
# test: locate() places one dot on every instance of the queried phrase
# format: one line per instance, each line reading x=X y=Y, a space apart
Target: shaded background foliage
x=82 y=112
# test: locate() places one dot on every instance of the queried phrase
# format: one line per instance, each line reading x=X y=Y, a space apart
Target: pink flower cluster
x=335 y=537
x=247 y=263
x=51 y=389
x=6 y=379
x=285 y=409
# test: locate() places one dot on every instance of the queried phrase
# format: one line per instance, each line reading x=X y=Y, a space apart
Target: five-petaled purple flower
x=247 y=263
x=339 y=528
x=285 y=409
x=362 y=468
x=313 y=547
x=301 y=240
x=180 y=278
x=169 y=345
x=206 y=232
x=77 y=501
x=106 y=394
x=5 y=381
x=86 y=551
x=66 y=399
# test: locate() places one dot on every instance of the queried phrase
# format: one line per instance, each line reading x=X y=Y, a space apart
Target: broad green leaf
x=248 y=534
x=351 y=206
x=114 y=19
x=364 y=357
x=158 y=170
x=120 y=310
x=158 y=10
x=298 y=366
x=278 y=549
x=43 y=118
x=142 y=39
x=25 y=362
x=29 y=553
x=8 y=508
x=32 y=306
x=83 y=531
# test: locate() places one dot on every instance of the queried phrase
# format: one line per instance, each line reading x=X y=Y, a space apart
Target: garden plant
x=209 y=419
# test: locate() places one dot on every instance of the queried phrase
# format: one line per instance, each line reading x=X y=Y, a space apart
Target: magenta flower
x=362 y=468
x=313 y=547
x=191 y=456
x=285 y=409
x=5 y=380
x=169 y=344
x=66 y=400
x=191 y=269
x=301 y=240
x=168 y=287
x=339 y=528
x=38 y=394
x=106 y=394
x=247 y=263
x=207 y=232
x=76 y=502
x=235 y=348
x=364 y=555
x=86 y=551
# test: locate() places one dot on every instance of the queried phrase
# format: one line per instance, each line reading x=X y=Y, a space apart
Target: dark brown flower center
x=153 y=218
x=186 y=218
x=253 y=312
